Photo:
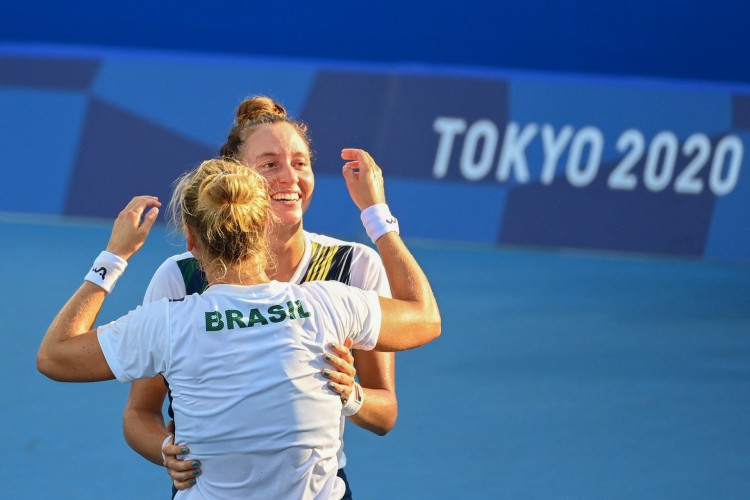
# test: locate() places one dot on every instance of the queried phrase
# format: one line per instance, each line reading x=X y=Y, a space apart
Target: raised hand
x=364 y=179
x=131 y=227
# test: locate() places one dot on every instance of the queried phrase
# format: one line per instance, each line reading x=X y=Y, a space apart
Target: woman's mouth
x=285 y=197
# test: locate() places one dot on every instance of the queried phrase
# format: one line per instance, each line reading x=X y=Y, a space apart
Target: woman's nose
x=288 y=175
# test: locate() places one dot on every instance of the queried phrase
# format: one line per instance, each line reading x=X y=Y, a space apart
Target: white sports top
x=324 y=258
x=243 y=365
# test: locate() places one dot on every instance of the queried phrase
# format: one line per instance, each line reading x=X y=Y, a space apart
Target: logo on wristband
x=392 y=220
x=102 y=271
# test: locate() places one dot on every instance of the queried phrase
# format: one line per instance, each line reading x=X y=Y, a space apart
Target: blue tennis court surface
x=558 y=375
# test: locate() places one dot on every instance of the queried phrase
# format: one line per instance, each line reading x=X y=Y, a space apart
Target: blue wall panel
x=121 y=156
x=436 y=211
x=197 y=97
x=729 y=237
x=40 y=131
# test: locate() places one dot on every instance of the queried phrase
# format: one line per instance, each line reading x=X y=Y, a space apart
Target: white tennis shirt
x=243 y=365
x=324 y=258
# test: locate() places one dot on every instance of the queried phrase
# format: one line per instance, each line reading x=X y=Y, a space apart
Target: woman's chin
x=288 y=217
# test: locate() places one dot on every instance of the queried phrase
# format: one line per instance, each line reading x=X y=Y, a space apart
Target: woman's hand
x=342 y=375
x=131 y=226
x=364 y=179
x=184 y=473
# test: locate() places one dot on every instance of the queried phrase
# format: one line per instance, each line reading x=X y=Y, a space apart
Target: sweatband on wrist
x=354 y=402
x=106 y=270
x=378 y=220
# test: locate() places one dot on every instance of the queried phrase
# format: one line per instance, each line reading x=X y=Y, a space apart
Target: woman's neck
x=250 y=272
x=287 y=247
x=235 y=277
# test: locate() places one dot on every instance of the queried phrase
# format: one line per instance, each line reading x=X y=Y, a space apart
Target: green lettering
x=290 y=308
x=256 y=317
x=213 y=321
x=302 y=313
x=234 y=316
x=277 y=313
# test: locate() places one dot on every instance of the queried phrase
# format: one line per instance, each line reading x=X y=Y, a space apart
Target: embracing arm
x=376 y=374
x=142 y=421
x=374 y=371
x=144 y=430
x=70 y=350
x=143 y=424
x=412 y=318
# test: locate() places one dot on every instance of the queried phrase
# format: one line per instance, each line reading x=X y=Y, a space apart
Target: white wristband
x=106 y=270
x=378 y=220
x=355 y=401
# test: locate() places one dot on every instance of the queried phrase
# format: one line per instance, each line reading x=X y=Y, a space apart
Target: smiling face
x=282 y=157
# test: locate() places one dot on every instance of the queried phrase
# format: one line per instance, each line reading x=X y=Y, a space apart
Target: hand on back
x=184 y=473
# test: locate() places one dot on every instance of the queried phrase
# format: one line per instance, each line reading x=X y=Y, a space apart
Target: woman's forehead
x=273 y=139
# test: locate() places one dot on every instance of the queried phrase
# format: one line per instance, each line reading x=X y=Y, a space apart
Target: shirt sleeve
x=368 y=272
x=137 y=344
x=356 y=313
x=167 y=282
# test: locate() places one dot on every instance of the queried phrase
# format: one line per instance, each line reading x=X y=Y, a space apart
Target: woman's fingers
x=342 y=373
x=184 y=473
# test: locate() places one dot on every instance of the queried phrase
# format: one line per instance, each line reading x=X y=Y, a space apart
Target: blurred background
x=572 y=174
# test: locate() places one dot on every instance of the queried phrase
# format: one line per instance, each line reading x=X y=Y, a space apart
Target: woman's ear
x=189 y=239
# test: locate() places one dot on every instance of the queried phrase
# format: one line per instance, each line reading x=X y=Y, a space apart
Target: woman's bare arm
x=70 y=350
x=142 y=421
x=411 y=318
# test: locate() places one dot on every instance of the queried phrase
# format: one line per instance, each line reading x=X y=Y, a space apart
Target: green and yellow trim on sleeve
x=329 y=263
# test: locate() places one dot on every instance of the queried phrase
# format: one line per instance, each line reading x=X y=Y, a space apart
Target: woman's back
x=244 y=366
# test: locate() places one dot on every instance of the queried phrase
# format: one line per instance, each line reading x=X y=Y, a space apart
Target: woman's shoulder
x=177 y=261
x=350 y=262
x=181 y=257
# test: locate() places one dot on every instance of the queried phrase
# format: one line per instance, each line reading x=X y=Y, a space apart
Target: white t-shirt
x=324 y=258
x=243 y=365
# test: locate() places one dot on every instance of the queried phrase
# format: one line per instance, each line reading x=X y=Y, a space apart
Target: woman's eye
x=267 y=166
